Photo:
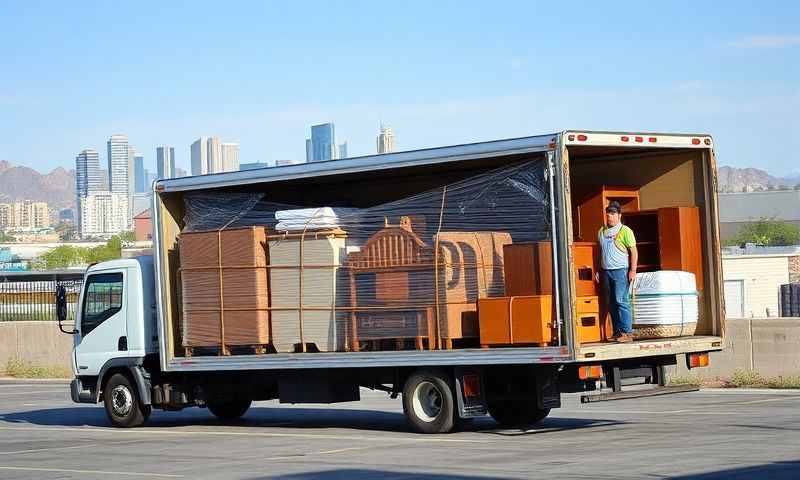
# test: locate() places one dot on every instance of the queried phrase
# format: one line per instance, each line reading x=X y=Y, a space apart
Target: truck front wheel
x=428 y=402
x=229 y=409
x=123 y=406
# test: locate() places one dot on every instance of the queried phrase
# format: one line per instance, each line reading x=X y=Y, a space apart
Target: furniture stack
x=224 y=289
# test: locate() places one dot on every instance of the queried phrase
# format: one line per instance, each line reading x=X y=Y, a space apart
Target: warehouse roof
x=747 y=207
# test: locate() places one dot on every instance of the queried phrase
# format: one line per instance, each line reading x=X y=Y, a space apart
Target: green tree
x=63 y=256
x=6 y=238
x=769 y=232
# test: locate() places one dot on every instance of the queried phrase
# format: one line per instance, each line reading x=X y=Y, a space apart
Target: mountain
x=57 y=188
x=732 y=179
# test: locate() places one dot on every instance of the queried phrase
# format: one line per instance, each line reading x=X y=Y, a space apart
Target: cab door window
x=102 y=299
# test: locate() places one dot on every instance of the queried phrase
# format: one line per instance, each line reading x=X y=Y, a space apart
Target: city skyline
x=456 y=76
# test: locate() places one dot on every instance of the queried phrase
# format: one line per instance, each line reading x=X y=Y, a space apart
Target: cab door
x=101 y=324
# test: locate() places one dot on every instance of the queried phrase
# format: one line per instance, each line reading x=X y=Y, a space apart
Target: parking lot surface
x=704 y=435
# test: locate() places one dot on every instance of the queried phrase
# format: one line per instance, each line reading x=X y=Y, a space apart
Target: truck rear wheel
x=229 y=409
x=123 y=405
x=517 y=412
x=428 y=402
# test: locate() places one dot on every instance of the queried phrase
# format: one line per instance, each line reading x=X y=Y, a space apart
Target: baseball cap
x=613 y=207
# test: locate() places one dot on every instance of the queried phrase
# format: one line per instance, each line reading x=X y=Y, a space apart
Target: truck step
x=650 y=392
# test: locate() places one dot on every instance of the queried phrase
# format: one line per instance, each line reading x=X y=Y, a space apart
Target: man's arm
x=634 y=262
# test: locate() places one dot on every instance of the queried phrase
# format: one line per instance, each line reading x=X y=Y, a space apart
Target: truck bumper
x=78 y=394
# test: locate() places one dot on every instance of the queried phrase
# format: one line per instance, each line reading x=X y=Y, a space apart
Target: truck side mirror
x=61 y=308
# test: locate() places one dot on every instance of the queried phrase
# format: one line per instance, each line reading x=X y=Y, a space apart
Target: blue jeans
x=615 y=288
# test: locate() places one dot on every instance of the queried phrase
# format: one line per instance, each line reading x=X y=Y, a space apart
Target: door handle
x=122 y=344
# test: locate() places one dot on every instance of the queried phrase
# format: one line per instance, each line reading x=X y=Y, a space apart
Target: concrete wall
x=762 y=276
x=769 y=346
x=39 y=343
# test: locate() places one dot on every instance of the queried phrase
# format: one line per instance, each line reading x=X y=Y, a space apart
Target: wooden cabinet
x=589 y=207
x=529 y=268
x=668 y=239
x=525 y=320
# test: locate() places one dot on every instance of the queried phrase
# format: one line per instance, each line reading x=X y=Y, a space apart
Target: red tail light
x=639 y=139
x=695 y=360
x=695 y=141
x=652 y=139
x=582 y=138
x=590 y=372
x=624 y=138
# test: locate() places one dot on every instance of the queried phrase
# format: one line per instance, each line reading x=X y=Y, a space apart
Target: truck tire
x=122 y=402
x=229 y=409
x=428 y=402
x=516 y=413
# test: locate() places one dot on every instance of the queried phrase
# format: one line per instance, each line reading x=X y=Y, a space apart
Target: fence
x=31 y=295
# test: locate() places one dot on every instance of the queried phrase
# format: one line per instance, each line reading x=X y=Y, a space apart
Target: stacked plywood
x=224 y=288
x=303 y=273
x=470 y=267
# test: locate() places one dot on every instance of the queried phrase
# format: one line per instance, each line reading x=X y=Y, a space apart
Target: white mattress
x=665 y=297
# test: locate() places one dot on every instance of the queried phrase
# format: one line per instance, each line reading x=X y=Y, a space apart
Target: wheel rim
x=427 y=401
x=121 y=400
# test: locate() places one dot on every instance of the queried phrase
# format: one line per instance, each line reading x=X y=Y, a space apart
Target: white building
x=385 y=140
x=752 y=279
x=210 y=155
x=120 y=165
x=199 y=156
x=230 y=157
x=104 y=214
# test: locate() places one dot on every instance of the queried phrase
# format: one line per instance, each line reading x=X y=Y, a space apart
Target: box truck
x=461 y=278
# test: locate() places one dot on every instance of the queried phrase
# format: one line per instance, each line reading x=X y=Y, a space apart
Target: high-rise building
x=230 y=157
x=341 y=151
x=87 y=176
x=386 y=140
x=132 y=154
x=104 y=214
x=138 y=174
x=199 y=156
x=165 y=161
x=119 y=164
x=323 y=142
x=309 y=150
x=210 y=155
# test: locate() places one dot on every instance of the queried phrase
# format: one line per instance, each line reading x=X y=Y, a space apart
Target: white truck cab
x=115 y=328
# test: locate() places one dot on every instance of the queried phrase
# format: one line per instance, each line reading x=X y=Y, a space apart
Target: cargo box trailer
x=462 y=278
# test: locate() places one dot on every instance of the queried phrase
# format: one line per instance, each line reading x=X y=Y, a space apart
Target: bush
x=768 y=232
x=18 y=368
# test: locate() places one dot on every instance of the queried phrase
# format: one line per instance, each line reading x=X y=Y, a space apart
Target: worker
x=618 y=268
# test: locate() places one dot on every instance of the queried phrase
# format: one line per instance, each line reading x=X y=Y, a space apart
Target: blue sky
x=260 y=73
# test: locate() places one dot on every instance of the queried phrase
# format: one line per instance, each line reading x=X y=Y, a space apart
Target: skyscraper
x=323 y=142
x=230 y=157
x=309 y=150
x=119 y=164
x=199 y=156
x=386 y=140
x=87 y=176
x=165 y=161
x=341 y=151
x=210 y=155
x=87 y=172
x=138 y=174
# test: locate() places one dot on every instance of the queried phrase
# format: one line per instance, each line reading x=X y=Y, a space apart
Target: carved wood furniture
x=392 y=289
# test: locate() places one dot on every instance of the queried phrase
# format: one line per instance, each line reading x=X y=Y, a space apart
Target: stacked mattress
x=664 y=304
x=303 y=274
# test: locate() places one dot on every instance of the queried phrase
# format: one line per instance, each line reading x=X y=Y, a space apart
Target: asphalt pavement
x=728 y=434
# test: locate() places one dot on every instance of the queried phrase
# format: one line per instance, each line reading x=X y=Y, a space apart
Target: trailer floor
x=704 y=435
